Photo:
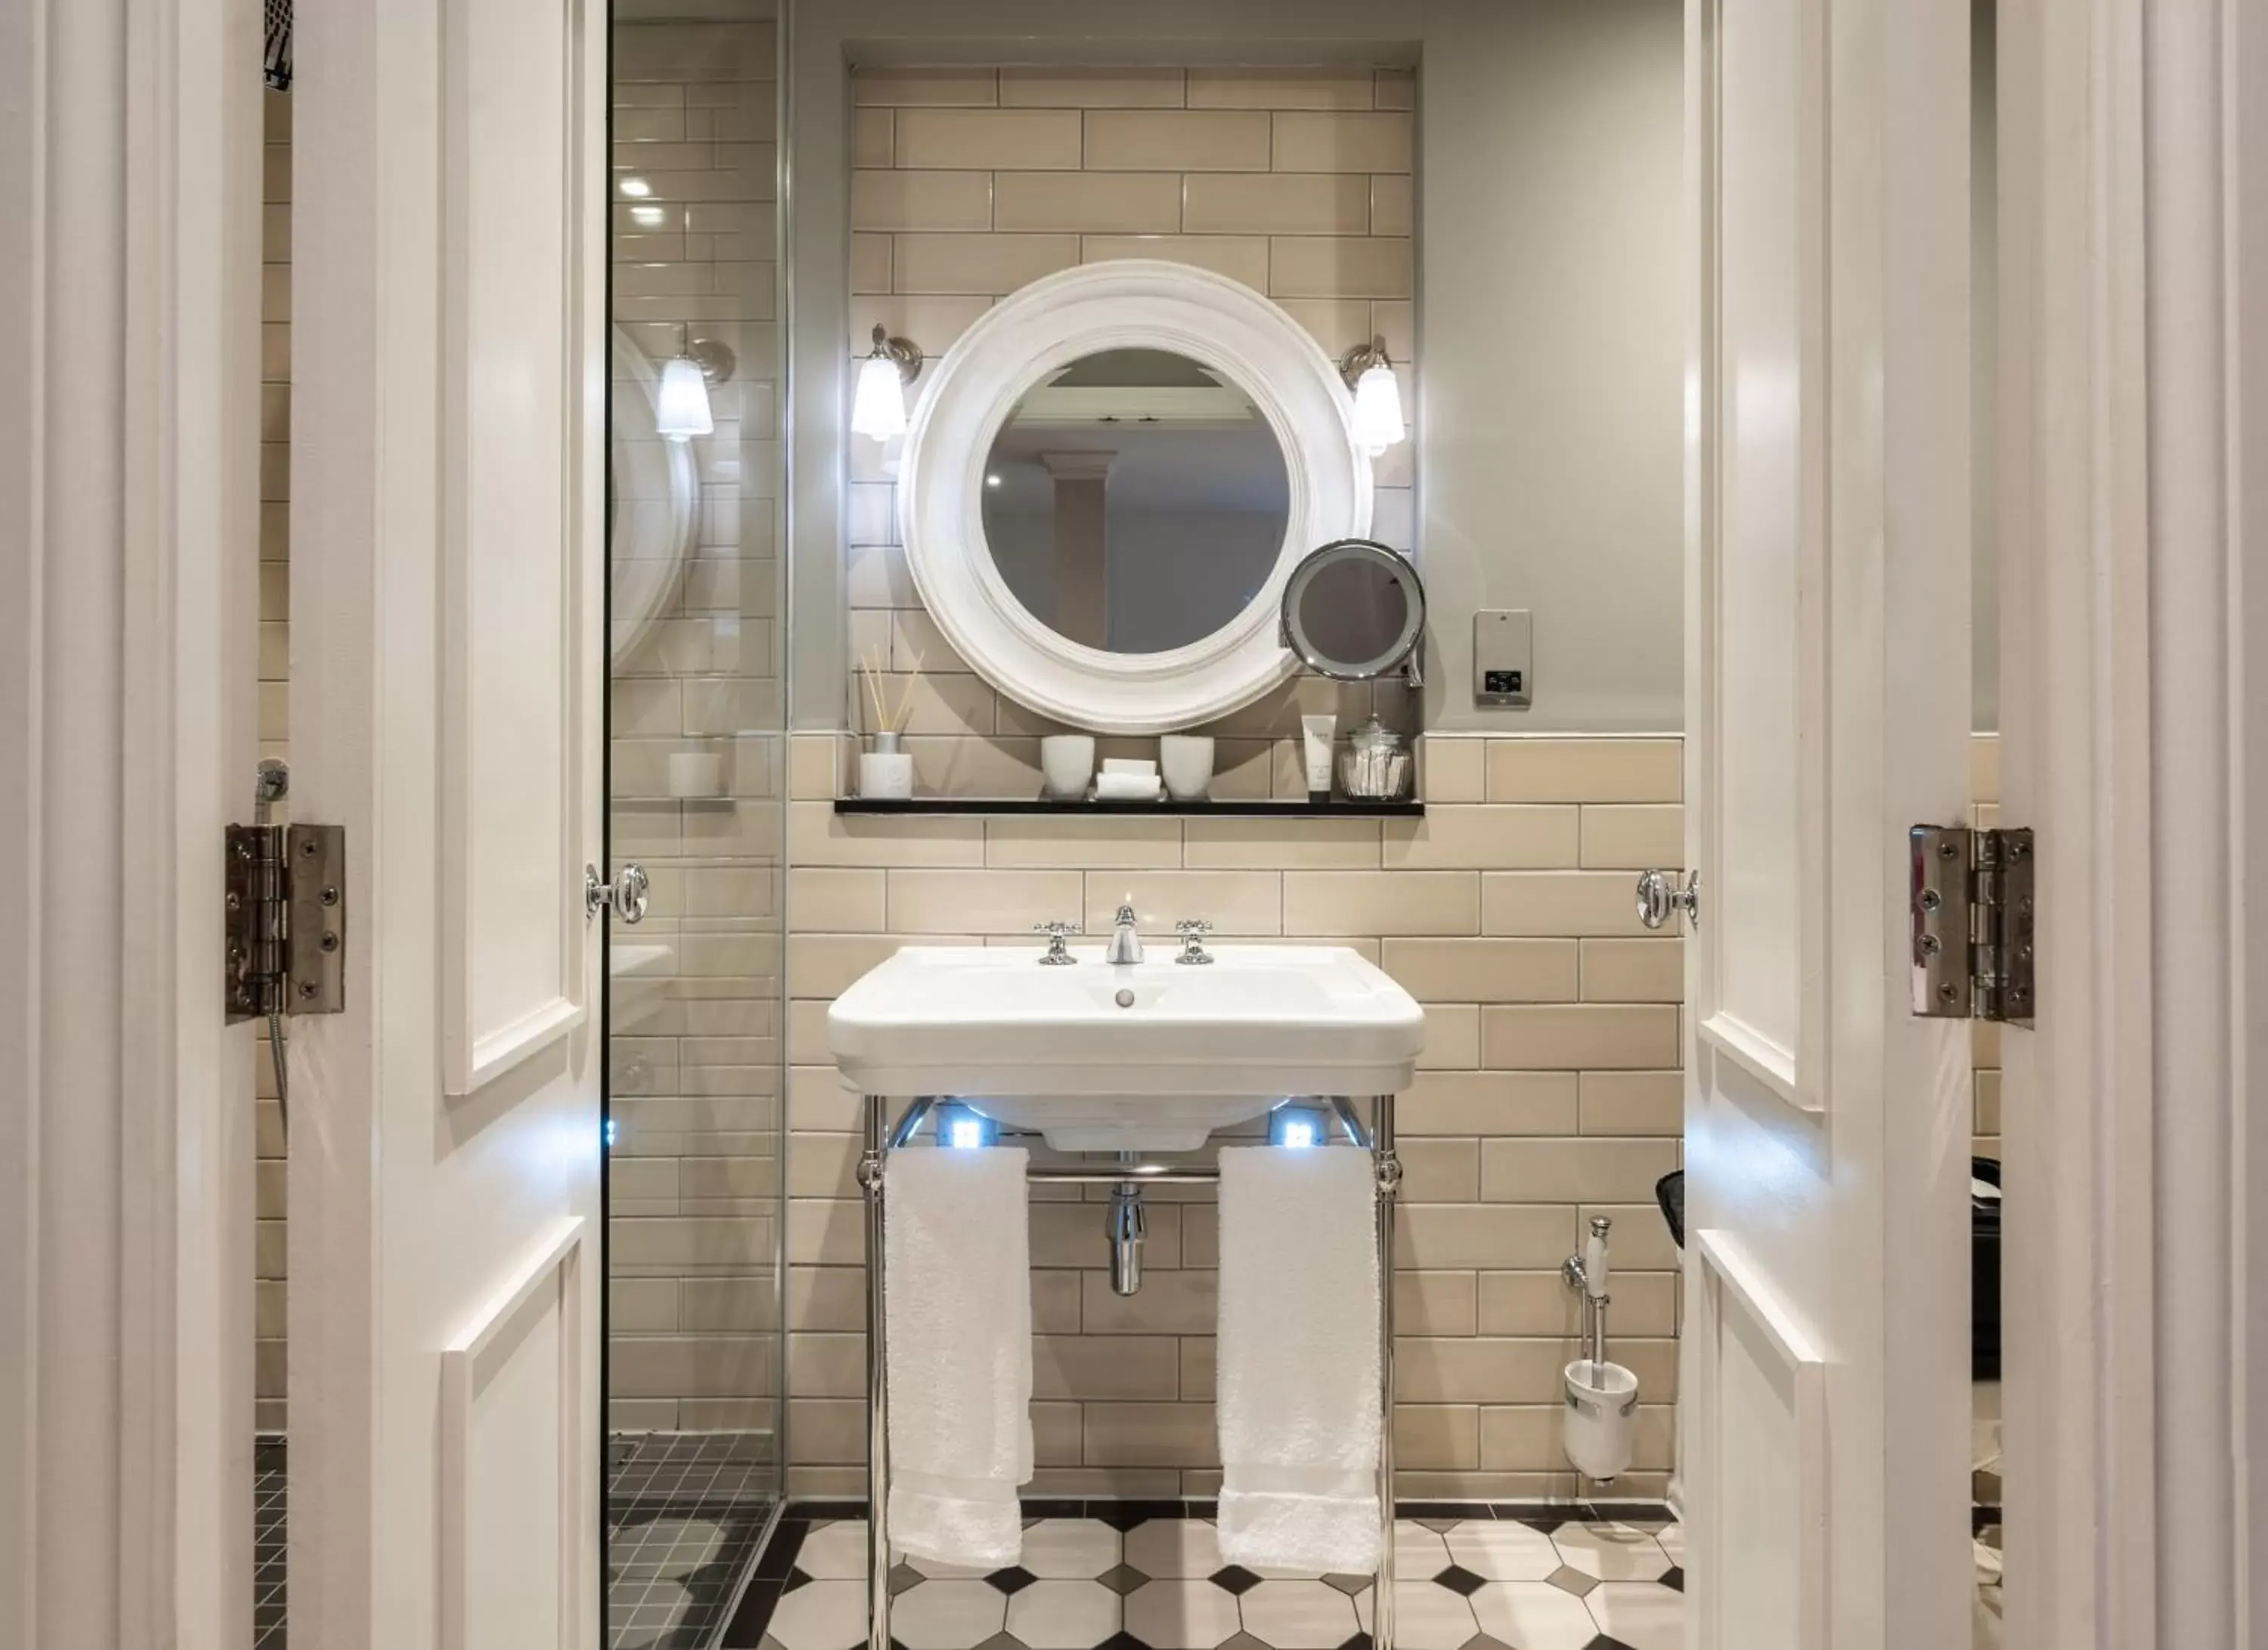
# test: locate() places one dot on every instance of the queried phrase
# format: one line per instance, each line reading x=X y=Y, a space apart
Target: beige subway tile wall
x=696 y=1170
x=275 y=697
x=971 y=183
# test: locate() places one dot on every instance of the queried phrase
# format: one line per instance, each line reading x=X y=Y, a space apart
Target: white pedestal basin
x=1148 y=1056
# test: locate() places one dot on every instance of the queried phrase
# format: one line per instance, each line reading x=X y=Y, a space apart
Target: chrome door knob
x=1659 y=898
x=625 y=896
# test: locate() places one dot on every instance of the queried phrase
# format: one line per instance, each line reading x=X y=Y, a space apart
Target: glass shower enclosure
x=695 y=796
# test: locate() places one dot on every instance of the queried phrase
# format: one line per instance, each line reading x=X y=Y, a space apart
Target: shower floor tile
x=268 y=1534
x=1154 y=1581
x=684 y=1514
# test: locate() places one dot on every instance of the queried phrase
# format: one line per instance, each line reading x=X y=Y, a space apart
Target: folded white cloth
x=957 y=1281
x=1126 y=787
x=1298 y=1359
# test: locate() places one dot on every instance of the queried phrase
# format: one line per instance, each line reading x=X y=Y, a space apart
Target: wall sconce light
x=1369 y=373
x=1296 y=1125
x=965 y=1129
x=877 y=409
x=681 y=405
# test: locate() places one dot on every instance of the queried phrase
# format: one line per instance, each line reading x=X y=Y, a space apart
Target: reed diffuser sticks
x=888 y=718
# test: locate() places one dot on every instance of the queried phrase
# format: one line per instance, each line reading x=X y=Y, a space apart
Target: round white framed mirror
x=1108 y=482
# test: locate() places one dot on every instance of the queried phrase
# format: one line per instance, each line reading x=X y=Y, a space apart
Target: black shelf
x=1224 y=808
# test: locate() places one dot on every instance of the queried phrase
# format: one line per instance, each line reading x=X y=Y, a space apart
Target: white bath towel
x=1298 y=1359
x=957 y=1282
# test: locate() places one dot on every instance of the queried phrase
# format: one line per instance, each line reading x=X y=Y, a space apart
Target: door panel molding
x=1784 y=1485
x=1762 y=373
x=538 y=1311
x=515 y=728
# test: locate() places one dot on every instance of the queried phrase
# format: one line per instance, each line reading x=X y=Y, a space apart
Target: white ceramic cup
x=1186 y=759
x=1067 y=764
x=696 y=773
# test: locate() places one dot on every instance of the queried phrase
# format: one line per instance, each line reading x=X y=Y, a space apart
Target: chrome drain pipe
x=1129 y=1225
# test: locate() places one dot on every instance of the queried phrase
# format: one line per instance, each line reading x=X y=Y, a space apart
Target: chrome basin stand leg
x=1390 y=1193
x=878 y=1419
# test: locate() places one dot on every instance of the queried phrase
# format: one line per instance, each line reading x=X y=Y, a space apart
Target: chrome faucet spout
x=1125 y=940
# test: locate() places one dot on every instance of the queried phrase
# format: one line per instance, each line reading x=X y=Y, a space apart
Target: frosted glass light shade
x=681 y=406
x=877 y=409
x=1378 y=410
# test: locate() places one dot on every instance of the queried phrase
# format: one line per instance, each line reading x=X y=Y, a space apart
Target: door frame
x=131 y=161
x=2133 y=375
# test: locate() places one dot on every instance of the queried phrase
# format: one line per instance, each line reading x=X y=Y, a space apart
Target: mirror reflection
x=1354 y=612
x=1136 y=501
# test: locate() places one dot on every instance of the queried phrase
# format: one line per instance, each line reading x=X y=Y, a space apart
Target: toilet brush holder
x=1601 y=1411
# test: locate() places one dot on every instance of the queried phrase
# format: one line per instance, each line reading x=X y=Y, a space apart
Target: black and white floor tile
x=1118 y=1578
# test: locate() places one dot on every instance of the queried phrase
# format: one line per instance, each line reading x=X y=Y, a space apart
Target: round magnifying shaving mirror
x=1135 y=501
x=1107 y=482
x=1354 y=611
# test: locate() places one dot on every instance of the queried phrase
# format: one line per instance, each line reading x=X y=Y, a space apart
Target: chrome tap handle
x=1057 y=933
x=1193 y=931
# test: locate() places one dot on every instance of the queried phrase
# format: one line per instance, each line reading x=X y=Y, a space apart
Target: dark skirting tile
x=745 y=1630
x=1455 y=1511
x=779 y=1556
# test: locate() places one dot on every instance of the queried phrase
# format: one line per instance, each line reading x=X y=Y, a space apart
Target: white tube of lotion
x=1317 y=737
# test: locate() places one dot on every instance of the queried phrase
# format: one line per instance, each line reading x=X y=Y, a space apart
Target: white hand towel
x=1297 y=1354
x=957 y=1281
x=1126 y=787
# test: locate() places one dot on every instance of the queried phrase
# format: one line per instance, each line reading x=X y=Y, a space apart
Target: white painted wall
x=1549 y=321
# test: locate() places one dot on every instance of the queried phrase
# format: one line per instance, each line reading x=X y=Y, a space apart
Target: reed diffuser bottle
x=885 y=772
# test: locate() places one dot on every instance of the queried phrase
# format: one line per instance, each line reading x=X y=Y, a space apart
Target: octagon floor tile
x=1181 y=1615
x=1299 y=1616
x=1611 y=1551
x=1641 y=1615
x=1064 y=1615
x=1533 y=1615
x=1503 y=1552
x=1174 y=1548
x=947 y=1615
x=1070 y=1548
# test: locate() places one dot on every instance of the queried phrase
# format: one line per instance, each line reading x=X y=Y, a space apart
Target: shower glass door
x=695 y=1069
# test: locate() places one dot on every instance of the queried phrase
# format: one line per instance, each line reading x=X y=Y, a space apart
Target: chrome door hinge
x=1971 y=909
x=285 y=916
